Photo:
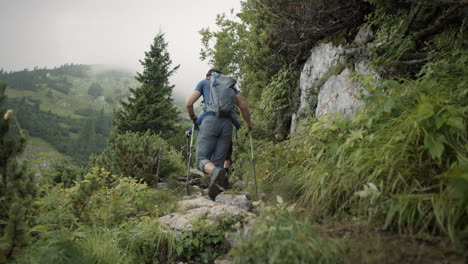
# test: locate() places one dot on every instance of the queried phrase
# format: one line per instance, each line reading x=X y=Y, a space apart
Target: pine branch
x=413 y=16
x=446 y=18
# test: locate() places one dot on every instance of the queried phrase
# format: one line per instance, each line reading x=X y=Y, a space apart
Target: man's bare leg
x=208 y=168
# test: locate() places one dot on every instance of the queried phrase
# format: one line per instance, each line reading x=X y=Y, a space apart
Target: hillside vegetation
x=70 y=106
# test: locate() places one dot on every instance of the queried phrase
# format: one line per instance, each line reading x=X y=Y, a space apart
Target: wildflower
x=8 y=114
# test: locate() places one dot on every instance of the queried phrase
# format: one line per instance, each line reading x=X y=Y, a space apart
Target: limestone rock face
x=323 y=57
x=326 y=80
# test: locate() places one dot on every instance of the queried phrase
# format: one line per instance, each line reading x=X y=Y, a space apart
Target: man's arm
x=244 y=110
x=189 y=104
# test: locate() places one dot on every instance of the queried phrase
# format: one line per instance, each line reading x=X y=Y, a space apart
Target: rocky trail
x=198 y=218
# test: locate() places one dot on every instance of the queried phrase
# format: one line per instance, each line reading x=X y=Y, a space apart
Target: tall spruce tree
x=150 y=106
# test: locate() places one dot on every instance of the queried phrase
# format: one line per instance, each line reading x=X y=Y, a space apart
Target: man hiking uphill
x=214 y=139
x=237 y=125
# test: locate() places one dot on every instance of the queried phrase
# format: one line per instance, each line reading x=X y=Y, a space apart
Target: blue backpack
x=222 y=95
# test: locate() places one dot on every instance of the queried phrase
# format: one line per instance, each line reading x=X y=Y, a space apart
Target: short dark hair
x=213 y=70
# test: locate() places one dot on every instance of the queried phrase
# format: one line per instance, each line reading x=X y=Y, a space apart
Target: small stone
x=161 y=186
x=364 y=35
x=239 y=201
x=223 y=261
x=197 y=173
x=240 y=185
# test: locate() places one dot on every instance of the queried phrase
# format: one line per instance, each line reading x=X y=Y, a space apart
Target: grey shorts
x=214 y=140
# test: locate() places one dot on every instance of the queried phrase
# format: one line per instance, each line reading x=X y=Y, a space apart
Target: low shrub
x=279 y=235
x=135 y=155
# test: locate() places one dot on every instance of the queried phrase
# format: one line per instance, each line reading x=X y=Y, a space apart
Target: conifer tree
x=17 y=189
x=150 y=106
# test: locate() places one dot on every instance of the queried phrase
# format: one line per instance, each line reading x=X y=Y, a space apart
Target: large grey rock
x=339 y=94
x=239 y=201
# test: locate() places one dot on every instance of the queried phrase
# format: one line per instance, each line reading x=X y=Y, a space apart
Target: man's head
x=208 y=74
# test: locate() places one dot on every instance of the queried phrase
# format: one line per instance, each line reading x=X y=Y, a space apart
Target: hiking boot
x=225 y=182
x=217 y=183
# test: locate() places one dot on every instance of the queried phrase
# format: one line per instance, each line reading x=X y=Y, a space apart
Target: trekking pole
x=189 y=157
x=158 y=159
x=253 y=162
x=239 y=157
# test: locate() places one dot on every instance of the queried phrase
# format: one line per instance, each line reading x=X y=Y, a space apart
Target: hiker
x=215 y=134
x=235 y=122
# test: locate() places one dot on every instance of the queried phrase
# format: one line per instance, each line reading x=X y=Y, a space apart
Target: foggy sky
x=54 y=32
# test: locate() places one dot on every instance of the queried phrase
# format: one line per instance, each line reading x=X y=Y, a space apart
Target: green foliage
x=60 y=247
x=52 y=78
x=95 y=201
x=78 y=138
x=396 y=162
x=143 y=241
x=58 y=118
x=95 y=89
x=278 y=98
x=150 y=107
x=411 y=35
x=137 y=241
x=206 y=242
x=62 y=172
x=127 y=199
x=17 y=189
x=278 y=235
x=100 y=222
x=135 y=155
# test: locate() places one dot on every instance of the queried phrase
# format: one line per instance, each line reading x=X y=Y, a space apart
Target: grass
x=400 y=162
x=363 y=243
x=40 y=154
